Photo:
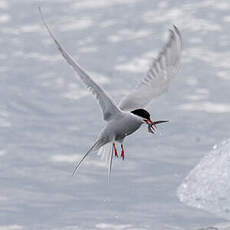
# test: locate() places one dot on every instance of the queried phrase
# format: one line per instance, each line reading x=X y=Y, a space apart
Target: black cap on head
x=141 y=113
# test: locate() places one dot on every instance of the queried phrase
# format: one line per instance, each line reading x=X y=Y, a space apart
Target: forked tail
x=106 y=154
x=94 y=148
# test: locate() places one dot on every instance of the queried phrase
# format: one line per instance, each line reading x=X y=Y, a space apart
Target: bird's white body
x=121 y=122
x=121 y=126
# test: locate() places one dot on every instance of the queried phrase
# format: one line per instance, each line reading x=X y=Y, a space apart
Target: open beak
x=152 y=125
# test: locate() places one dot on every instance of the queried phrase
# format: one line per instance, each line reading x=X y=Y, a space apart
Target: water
x=48 y=119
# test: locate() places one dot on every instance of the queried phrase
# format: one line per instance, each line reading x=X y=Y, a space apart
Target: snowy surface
x=48 y=119
x=208 y=185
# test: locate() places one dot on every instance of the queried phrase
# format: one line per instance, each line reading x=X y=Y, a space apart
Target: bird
x=130 y=114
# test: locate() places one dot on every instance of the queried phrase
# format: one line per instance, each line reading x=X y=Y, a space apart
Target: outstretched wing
x=109 y=108
x=160 y=74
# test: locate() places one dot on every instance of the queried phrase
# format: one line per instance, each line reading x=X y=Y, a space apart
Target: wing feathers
x=160 y=74
x=108 y=106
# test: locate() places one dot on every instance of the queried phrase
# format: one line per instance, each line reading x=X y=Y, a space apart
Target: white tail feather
x=98 y=144
x=106 y=154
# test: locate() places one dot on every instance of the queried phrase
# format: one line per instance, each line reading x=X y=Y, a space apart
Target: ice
x=208 y=185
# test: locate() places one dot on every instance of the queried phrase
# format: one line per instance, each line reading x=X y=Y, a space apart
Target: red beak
x=152 y=125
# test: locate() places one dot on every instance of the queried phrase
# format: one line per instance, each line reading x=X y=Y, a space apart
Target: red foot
x=115 y=150
x=122 y=152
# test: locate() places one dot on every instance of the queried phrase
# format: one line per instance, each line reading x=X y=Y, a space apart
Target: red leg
x=122 y=152
x=115 y=150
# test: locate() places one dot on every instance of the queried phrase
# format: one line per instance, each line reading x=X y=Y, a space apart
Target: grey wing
x=159 y=76
x=108 y=107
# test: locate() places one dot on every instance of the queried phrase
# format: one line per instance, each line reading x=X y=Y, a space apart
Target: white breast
x=121 y=127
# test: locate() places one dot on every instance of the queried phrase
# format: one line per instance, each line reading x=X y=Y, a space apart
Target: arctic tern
x=125 y=118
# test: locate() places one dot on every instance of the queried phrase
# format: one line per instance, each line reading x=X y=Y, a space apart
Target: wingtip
x=178 y=33
x=75 y=169
x=42 y=17
x=40 y=10
x=175 y=27
x=175 y=31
